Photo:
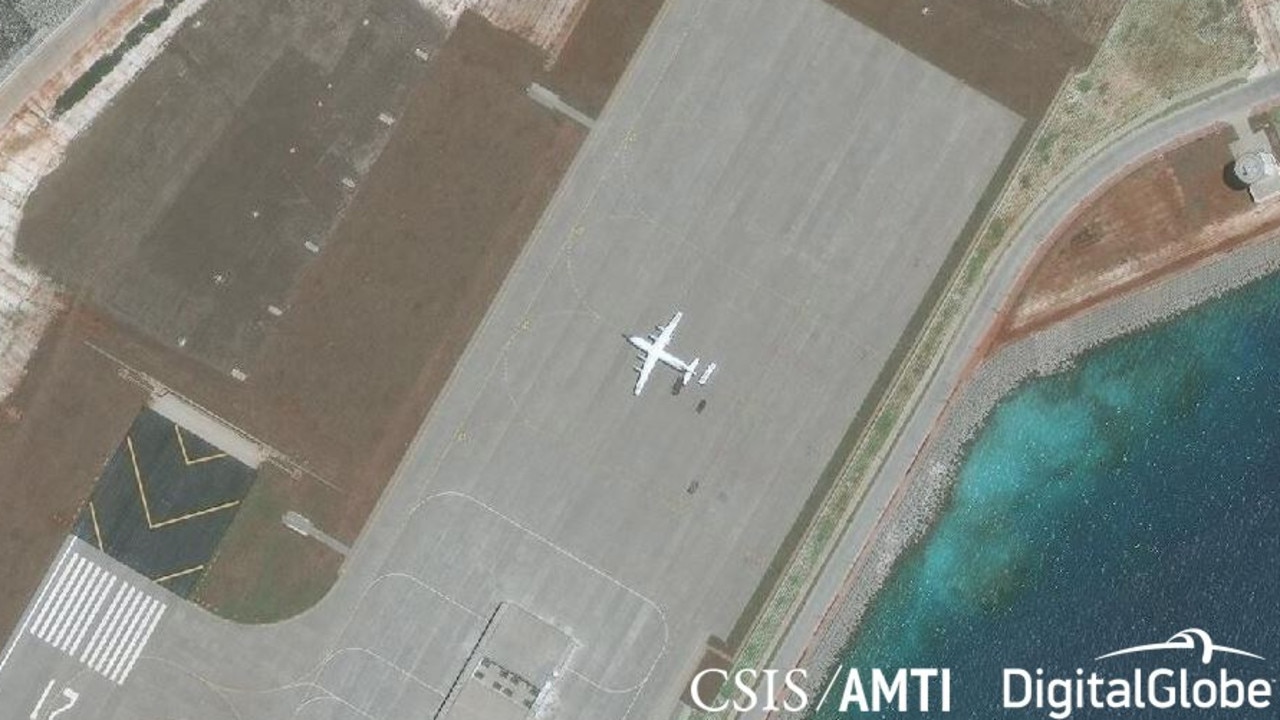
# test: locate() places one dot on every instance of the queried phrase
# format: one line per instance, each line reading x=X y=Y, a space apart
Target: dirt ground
x=196 y=192
x=1175 y=209
x=1017 y=53
x=606 y=36
x=373 y=323
x=377 y=322
x=56 y=432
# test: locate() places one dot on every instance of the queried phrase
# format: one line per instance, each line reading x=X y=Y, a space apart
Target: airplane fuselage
x=653 y=350
x=664 y=357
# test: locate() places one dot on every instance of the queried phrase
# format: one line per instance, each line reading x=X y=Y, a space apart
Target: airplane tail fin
x=690 y=370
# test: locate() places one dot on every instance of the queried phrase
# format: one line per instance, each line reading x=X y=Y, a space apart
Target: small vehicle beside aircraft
x=653 y=350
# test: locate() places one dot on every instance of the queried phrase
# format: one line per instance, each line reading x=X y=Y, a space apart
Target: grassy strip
x=84 y=84
x=1155 y=51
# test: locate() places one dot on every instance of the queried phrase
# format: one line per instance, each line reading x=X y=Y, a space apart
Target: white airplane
x=653 y=350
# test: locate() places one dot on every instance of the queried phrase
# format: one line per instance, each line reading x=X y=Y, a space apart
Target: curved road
x=1107 y=164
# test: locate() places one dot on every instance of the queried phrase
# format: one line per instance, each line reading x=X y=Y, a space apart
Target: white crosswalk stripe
x=75 y=606
x=108 y=621
x=86 y=595
x=56 y=598
x=116 y=642
x=103 y=590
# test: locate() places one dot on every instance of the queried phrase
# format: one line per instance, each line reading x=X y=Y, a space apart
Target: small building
x=1256 y=166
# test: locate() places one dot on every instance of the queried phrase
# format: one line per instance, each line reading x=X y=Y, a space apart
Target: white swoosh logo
x=1185 y=640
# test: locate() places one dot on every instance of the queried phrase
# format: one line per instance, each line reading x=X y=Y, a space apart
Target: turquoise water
x=1111 y=505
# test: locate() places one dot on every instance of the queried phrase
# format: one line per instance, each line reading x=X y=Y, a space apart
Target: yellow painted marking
x=180 y=573
x=146 y=507
x=137 y=475
x=196 y=514
x=97 y=532
x=186 y=458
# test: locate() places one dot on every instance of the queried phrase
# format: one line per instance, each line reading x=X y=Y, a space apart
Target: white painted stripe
x=93 y=614
x=125 y=644
x=132 y=646
x=73 y=576
x=76 y=607
x=112 y=644
x=84 y=613
x=54 y=594
x=100 y=634
x=51 y=589
x=69 y=594
x=155 y=622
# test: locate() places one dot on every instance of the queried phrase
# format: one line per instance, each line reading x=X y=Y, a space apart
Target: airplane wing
x=650 y=361
x=666 y=332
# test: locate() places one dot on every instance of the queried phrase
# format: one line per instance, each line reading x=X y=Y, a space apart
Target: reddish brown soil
x=1172 y=211
x=417 y=261
x=375 y=326
x=1013 y=52
x=56 y=431
x=606 y=37
x=377 y=322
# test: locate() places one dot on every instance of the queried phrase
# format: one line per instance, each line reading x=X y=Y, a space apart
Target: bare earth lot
x=597 y=53
x=233 y=121
x=56 y=432
x=1173 y=210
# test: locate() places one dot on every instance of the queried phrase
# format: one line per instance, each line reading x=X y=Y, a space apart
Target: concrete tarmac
x=791 y=181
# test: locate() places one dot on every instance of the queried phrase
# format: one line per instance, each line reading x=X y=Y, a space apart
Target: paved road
x=1108 y=164
x=54 y=53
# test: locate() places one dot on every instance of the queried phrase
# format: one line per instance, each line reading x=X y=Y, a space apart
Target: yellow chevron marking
x=186 y=458
x=193 y=515
x=146 y=506
x=137 y=476
x=97 y=532
x=180 y=573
